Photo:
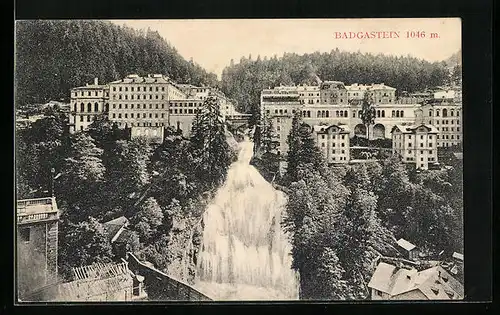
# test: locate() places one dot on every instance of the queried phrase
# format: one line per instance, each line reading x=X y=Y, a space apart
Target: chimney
x=96 y=81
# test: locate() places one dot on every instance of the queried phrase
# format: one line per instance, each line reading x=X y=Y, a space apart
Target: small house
x=409 y=250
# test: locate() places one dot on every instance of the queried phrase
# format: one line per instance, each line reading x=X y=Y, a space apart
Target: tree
x=367 y=112
x=81 y=183
x=126 y=171
x=82 y=244
x=211 y=151
x=148 y=219
x=294 y=143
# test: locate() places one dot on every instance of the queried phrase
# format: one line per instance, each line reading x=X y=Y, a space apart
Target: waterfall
x=245 y=255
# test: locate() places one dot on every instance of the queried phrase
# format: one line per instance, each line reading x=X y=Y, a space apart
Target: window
x=89 y=107
x=89 y=118
x=421 y=145
x=114 y=115
x=430 y=144
x=421 y=152
x=131 y=115
x=81 y=118
x=119 y=115
x=24 y=234
x=430 y=151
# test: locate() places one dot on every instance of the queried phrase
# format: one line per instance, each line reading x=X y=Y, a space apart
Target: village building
x=37 y=243
x=415 y=144
x=408 y=249
x=389 y=282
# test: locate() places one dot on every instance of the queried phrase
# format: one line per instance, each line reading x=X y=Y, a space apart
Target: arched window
x=345 y=114
x=96 y=107
x=341 y=113
x=74 y=107
x=378 y=113
x=451 y=113
x=82 y=107
x=445 y=112
x=89 y=107
x=327 y=113
x=393 y=113
x=318 y=114
x=397 y=113
x=401 y=114
x=437 y=113
x=383 y=113
x=106 y=107
x=337 y=113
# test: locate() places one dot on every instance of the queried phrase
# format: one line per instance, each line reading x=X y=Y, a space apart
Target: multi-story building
x=333 y=92
x=182 y=114
x=415 y=144
x=279 y=101
x=446 y=117
x=86 y=103
x=381 y=93
x=37 y=233
x=146 y=105
x=309 y=94
x=333 y=142
x=333 y=109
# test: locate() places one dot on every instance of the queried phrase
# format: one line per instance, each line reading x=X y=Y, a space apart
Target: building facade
x=37 y=237
x=333 y=142
x=86 y=103
x=446 y=117
x=415 y=144
x=146 y=105
x=340 y=104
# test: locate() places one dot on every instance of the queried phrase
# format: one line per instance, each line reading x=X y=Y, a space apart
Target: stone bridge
x=239 y=121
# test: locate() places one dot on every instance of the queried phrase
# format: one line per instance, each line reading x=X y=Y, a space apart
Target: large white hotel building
x=145 y=104
x=332 y=105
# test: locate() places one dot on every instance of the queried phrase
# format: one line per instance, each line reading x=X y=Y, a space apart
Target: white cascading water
x=245 y=254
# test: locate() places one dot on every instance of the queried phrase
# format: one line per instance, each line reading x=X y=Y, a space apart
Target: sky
x=213 y=43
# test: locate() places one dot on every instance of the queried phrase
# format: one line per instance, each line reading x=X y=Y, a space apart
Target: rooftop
x=458 y=256
x=405 y=244
x=413 y=128
x=113 y=228
x=435 y=283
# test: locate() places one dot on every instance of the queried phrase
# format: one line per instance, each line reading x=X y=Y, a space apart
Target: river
x=245 y=255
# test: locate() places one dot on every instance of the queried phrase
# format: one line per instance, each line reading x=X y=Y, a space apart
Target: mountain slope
x=53 y=56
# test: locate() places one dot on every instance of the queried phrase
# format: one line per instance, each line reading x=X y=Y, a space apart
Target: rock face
x=184 y=246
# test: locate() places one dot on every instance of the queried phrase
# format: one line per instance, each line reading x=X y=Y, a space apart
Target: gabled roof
x=405 y=244
x=114 y=227
x=325 y=128
x=435 y=283
x=413 y=128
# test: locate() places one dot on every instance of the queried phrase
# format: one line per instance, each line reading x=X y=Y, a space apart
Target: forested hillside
x=54 y=56
x=245 y=80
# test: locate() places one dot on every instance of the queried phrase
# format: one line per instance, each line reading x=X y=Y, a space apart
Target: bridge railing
x=162 y=287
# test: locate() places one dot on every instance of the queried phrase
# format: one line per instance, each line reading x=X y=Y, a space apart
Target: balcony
x=36 y=210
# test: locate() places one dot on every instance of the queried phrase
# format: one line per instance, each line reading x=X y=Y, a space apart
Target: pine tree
x=367 y=112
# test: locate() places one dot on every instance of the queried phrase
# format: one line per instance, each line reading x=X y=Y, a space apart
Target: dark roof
x=125 y=236
x=111 y=228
